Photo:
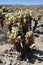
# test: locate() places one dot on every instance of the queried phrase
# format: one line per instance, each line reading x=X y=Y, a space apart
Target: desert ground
x=9 y=56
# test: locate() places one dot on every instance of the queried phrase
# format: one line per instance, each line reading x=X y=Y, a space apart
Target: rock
x=6 y=51
x=8 y=63
x=13 y=56
x=24 y=63
x=27 y=60
x=1 y=62
x=10 y=55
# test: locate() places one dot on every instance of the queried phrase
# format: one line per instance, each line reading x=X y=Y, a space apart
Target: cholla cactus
x=3 y=8
x=36 y=19
x=1 y=11
x=2 y=18
x=29 y=38
x=19 y=29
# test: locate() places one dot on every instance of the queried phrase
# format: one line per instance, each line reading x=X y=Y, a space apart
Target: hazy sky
x=22 y=2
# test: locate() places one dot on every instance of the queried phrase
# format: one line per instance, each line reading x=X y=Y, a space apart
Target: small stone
x=13 y=56
x=16 y=52
x=8 y=63
x=6 y=55
x=27 y=60
x=16 y=56
x=1 y=62
x=6 y=51
x=17 y=63
x=10 y=55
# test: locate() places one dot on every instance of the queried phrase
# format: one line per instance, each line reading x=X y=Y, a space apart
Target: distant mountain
x=24 y=6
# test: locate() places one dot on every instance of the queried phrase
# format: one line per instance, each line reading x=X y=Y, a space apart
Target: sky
x=21 y=2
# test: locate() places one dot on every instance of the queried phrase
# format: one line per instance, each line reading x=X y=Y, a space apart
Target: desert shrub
x=2 y=17
x=20 y=32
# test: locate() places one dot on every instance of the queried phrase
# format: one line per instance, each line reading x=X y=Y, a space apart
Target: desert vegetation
x=19 y=25
x=20 y=31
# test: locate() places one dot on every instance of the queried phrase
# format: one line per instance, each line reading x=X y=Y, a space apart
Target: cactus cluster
x=3 y=11
x=2 y=17
x=20 y=32
x=19 y=28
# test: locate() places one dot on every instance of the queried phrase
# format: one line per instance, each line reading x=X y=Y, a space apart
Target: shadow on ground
x=38 y=31
x=31 y=55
